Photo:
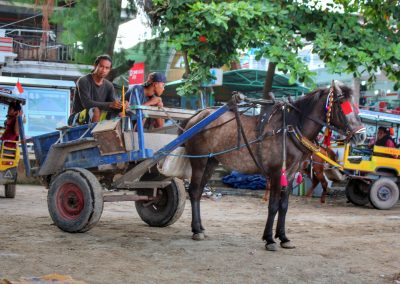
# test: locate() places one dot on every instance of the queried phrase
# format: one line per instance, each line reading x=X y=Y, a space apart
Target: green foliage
x=91 y=26
x=212 y=33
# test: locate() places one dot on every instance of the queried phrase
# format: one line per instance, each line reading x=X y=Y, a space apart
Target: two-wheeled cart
x=87 y=165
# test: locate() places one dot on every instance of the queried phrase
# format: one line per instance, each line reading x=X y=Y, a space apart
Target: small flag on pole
x=18 y=89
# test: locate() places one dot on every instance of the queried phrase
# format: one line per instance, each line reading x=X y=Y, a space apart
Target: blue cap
x=154 y=78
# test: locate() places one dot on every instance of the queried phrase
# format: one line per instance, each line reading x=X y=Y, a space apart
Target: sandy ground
x=336 y=243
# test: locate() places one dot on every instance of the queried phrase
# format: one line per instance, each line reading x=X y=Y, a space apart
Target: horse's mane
x=307 y=103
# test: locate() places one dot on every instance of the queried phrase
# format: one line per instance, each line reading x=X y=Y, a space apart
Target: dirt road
x=336 y=243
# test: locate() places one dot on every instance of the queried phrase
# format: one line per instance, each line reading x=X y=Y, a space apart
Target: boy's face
x=159 y=88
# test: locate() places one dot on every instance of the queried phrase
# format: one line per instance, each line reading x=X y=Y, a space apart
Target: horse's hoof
x=271 y=247
x=198 y=236
x=287 y=245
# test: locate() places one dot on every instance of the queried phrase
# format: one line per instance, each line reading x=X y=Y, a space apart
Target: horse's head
x=344 y=114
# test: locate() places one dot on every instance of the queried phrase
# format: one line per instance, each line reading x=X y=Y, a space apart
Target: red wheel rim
x=70 y=201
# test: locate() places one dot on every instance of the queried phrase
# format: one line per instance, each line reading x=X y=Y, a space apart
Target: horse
x=314 y=169
x=307 y=116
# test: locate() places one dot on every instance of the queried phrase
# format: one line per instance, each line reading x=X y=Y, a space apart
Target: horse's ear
x=338 y=90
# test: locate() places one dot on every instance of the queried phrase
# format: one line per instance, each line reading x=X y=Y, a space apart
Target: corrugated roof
x=32 y=82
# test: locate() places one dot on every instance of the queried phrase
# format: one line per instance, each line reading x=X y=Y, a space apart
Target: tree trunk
x=110 y=15
x=269 y=80
x=119 y=70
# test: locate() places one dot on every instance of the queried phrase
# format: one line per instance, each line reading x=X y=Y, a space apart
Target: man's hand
x=115 y=105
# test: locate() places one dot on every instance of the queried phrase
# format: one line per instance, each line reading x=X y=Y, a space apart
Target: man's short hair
x=155 y=77
x=386 y=130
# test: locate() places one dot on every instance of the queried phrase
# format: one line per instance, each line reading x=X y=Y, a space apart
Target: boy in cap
x=149 y=94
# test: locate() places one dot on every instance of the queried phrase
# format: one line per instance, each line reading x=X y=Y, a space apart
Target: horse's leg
x=267 y=190
x=314 y=184
x=283 y=208
x=324 y=184
x=273 y=207
x=202 y=170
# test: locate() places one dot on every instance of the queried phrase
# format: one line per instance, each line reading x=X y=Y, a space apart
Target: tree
x=351 y=36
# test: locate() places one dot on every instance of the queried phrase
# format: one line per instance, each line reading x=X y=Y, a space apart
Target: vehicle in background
x=373 y=172
x=10 y=150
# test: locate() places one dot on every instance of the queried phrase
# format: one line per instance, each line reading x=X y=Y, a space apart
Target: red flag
x=18 y=89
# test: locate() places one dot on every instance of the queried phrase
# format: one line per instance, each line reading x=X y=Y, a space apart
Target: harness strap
x=240 y=128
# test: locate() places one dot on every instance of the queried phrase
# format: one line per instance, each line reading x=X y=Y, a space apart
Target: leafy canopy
x=350 y=36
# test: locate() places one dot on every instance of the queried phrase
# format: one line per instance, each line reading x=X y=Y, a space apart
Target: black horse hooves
x=287 y=245
x=198 y=236
x=271 y=247
x=274 y=246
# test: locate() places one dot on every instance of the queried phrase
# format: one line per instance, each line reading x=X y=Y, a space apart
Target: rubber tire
x=91 y=191
x=168 y=209
x=357 y=192
x=391 y=189
x=9 y=190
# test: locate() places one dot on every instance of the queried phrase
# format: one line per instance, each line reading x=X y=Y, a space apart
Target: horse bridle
x=337 y=99
x=333 y=99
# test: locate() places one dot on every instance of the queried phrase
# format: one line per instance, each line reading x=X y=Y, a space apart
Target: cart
x=373 y=174
x=87 y=165
x=10 y=150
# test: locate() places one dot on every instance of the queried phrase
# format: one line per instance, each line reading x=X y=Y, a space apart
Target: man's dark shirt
x=89 y=95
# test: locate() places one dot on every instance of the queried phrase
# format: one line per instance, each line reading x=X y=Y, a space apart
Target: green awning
x=250 y=82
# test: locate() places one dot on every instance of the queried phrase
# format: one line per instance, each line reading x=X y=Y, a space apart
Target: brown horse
x=314 y=169
x=306 y=114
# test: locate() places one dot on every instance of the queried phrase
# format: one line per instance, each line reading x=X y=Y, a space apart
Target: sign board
x=6 y=44
x=136 y=74
x=217 y=81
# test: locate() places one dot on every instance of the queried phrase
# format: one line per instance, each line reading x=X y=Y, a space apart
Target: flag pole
x=123 y=100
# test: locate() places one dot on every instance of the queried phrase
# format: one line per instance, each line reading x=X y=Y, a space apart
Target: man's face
x=12 y=112
x=381 y=134
x=159 y=88
x=103 y=68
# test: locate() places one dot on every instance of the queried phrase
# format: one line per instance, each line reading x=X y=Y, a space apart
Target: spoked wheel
x=75 y=200
x=384 y=193
x=9 y=190
x=357 y=192
x=167 y=208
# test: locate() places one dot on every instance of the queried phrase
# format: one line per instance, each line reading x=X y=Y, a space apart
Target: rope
x=173 y=121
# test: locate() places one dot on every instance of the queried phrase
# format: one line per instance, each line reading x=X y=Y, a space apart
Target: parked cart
x=10 y=150
x=87 y=165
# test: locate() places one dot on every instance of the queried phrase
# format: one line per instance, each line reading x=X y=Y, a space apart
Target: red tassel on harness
x=327 y=137
x=284 y=181
x=299 y=178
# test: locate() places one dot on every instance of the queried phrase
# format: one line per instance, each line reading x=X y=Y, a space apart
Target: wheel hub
x=70 y=201
x=384 y=193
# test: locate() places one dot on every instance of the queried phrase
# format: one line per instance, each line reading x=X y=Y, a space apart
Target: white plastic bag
x=175 y=165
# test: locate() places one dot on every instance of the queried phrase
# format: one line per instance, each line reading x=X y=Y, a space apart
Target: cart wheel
x=357 y=192
x=384 y=193
x=75 y=200
x=166 y=210
x=9 y=190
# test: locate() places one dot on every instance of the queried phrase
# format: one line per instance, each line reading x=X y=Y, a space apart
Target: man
x=94 y=95
x=384 y=139
x=11 y=132
x=149 y=94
